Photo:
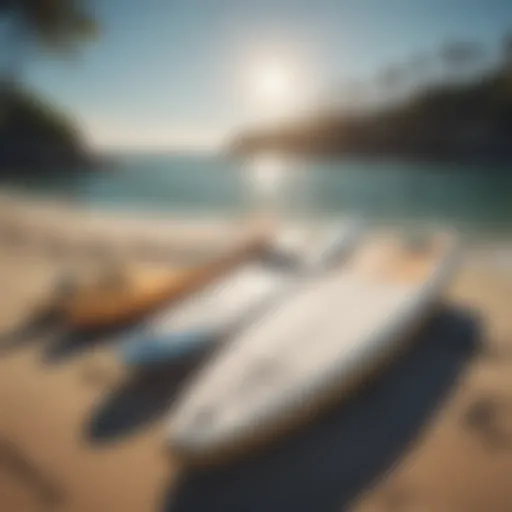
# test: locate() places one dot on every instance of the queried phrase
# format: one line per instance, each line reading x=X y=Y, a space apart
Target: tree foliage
x=53 y=24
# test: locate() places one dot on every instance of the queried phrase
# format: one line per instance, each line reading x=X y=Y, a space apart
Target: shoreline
x=69 y=226
x=458 y=163
x=28 y=207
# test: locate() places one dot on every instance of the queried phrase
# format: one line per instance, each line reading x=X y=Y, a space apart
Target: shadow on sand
x=49 y=493
x=142 y=399
x=74 y=343
x=35 y=327
x=324 y=466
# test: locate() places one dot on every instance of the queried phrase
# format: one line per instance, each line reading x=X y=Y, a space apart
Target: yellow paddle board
x=135 y=292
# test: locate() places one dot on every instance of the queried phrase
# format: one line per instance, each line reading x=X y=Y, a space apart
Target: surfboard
x=215 y=313
x=311 y=349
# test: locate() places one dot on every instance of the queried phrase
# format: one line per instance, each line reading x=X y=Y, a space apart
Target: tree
x=507 y=51
x=56 y=25
x=419 y=68
x=461 y=58
x=354 y=95
x=391 y=80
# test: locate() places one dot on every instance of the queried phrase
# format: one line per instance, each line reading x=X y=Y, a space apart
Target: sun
x=273 y=83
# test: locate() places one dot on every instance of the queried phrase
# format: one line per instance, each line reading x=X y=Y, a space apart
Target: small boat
x=225 y=306
x=312 y=349
x=128 y=295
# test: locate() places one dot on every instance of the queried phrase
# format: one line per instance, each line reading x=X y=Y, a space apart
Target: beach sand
x=462 y=460
x=70 y=439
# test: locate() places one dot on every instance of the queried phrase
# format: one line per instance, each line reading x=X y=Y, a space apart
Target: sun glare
x=273 y=84
x=276 y=85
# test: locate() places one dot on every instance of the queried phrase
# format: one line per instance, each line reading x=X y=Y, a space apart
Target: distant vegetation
x=463 y=114
x=30 y=26
x=34 y=135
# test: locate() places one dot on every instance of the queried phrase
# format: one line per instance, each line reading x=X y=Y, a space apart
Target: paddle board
x=223 y=307
x=134 y=292
x=311 y=349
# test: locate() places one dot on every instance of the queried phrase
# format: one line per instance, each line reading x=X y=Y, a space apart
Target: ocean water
x=471 y=199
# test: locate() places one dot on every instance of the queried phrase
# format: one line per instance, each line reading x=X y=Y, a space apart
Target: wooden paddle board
x=135 y=292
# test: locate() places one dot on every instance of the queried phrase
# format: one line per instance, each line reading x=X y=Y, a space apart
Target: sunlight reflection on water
x=267 y=176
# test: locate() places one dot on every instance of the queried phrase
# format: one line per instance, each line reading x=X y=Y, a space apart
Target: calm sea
x=473 y=199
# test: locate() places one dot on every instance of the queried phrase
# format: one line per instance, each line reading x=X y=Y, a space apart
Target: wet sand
x=79 y=434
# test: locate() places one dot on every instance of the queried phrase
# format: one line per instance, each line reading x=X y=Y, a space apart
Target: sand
x=457 y=464
x=79 y=232
x=78 y=433
x=46 y=459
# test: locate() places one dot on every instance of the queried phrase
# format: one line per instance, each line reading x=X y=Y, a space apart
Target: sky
x=190 y=73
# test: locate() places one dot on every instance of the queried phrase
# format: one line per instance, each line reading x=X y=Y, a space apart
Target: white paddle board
x=314 y=346
x=226 y=305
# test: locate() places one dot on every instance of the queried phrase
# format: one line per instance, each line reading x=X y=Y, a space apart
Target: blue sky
x=174 y=72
